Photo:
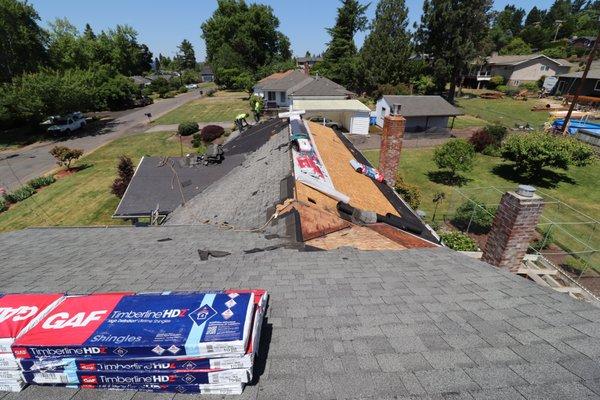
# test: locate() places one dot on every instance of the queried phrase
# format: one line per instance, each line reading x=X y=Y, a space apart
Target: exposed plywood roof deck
x=363 y=192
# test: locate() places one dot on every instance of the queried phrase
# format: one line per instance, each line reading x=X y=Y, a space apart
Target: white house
x=422 y=113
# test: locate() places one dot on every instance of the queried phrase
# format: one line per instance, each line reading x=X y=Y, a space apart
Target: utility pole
x=558 y=23
x=581 y=84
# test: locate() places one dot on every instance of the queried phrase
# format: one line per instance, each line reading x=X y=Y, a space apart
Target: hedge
x=20 y=194
x=211 y=132
x=41 y=181
x=188 y=128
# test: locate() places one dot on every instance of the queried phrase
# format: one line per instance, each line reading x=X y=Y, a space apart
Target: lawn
x=578 y=188
x=84 y=198
x=506 y=111
x=221 y=107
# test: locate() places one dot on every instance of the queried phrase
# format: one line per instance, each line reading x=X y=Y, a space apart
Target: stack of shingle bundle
x=173 y=342
x=18 y=312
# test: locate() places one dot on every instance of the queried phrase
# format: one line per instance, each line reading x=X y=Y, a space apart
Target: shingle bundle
x=174 y=342
x=18 y=313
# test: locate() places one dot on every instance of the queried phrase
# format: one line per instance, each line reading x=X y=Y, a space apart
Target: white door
x=359 y=123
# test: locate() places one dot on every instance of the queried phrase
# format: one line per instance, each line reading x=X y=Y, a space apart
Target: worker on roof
x=241 y=122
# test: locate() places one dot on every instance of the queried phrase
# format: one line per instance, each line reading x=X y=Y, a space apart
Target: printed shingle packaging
x=18 y=313
x=109 y=325
x=173 y=342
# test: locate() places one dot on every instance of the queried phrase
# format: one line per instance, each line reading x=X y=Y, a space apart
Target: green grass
x=578 y=188
x=506 y=111
x=466 y=121
x=84 y=198
x=222 y=107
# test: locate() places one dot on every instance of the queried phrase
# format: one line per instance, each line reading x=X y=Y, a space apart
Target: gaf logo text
x=63 y=320
x=17 y=314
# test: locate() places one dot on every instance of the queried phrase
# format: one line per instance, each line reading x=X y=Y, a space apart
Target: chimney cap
x=526 y=190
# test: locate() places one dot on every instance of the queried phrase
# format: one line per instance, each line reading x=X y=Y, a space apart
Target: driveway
x=18 y=166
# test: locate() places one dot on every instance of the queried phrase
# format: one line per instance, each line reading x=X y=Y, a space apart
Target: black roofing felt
x=155 y=184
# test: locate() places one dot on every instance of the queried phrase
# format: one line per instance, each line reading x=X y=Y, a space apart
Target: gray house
x=207 y=74
x=516 y=69
x=421 y=112
x=568 y=83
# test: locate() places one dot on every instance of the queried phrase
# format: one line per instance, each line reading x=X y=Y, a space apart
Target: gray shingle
x=323 y=318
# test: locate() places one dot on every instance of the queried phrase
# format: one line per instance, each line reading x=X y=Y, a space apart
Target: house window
x=271 y=96
x=545 y=68
x=561 y=87
x=383 y=111
x=597 y=86
x=282 y=97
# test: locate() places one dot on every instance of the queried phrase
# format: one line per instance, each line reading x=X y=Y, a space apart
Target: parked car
x=191 y=86
x=326 y=121
x=67 y=124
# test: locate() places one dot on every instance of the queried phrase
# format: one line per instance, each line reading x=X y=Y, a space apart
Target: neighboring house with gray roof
x=207 y=73
x=280 y=89
x=422 y=113
x=516 y=69
x=567 y=84
x=140 y=80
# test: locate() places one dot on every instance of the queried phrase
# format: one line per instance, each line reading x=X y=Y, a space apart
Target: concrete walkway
x=19 y=166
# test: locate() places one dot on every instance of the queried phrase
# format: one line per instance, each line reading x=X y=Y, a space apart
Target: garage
x=351 y=114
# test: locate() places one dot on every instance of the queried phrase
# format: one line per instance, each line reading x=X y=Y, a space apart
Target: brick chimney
x=513 y=228
x=391 y=145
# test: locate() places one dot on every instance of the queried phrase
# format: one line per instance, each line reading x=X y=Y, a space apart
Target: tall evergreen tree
x=186 y=55
x=535 y=16
x=340 y=61
x=88 y=32
x=452 y=33
x=387 y=48
x=21 y=39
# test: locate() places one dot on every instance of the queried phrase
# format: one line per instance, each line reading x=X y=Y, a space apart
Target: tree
x=125 y=172
x=65 y=46
x=455 y=155
x=506 y=25
x=388 y=44
x=340 y=61
x=535 y=16
x=22 y=40
x=516 y=46
x=534 y=152
x=88 y=32
x=242 y=38
x=186 y=55
x=452 y=33
x=65 y=156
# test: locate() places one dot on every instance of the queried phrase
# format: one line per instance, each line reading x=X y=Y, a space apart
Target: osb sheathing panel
x=362 y=191
x=315 y=222
x=359 y=237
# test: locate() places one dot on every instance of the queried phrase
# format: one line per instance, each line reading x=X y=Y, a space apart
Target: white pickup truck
x=67 y=124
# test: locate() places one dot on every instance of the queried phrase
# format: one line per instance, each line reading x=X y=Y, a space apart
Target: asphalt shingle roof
x=320 y=86
x=420 y=106
x=341 y=324
x=283 y=81
x=517 y=59
x=245 y=195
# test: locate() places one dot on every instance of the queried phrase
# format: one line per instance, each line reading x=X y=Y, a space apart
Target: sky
x=162 y=25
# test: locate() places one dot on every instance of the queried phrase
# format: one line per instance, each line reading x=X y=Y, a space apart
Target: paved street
x=34 y=160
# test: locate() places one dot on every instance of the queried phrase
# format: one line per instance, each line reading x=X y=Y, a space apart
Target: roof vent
x=526 y=190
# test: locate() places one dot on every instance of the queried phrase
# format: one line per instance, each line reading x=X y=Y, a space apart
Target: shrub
x=530 y=86
x=481 y=139
x=544 y=242
x=125 y=171
x=496 y=81
x=455 y=155
x=498 y=132
x=41 y=181
x=257 y=103
x=196 y=140
x=532 y=152
x=458 y=241
x=182 y=89
x=410 y=193
x=508 y=90
x=474 y=216
x=20 y=194
x=211 y=132
x=492 y=151
x=424 y=85
x=187 y=128
x=3 y=205
x=65 y=156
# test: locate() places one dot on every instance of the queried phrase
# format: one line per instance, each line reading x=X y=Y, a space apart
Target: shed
x=351 y=113
x=421 y=112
